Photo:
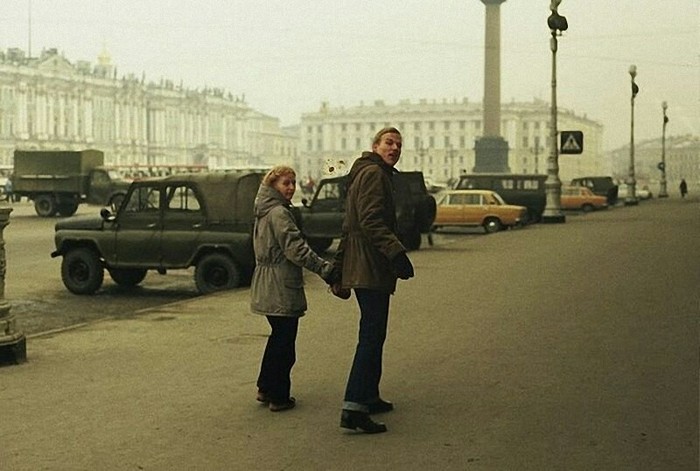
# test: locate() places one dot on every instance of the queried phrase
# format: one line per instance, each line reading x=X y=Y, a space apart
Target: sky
x=286 y=57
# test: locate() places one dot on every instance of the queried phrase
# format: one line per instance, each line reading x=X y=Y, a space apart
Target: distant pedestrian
x=277 y=288
x=683 y=188
x=372 y=258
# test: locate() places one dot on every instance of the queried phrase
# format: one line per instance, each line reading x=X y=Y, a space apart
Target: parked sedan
x=483 y=208
x=580 y=197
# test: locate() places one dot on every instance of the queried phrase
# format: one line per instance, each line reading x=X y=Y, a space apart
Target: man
x=371 y=259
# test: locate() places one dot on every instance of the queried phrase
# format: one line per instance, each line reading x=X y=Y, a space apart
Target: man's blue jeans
x=366 y=372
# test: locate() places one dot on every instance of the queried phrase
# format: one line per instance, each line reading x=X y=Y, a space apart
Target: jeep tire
x=81 y=271
x=216 y=272
x=128 y=277
x=319 y=244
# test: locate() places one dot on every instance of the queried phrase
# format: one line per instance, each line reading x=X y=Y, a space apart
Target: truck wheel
x=320 y=245
x=45 y=206
x=492 y=225
x=411 y=240
x=81 y=271
x=216 y=272
x=127 y=276
x=67 y=209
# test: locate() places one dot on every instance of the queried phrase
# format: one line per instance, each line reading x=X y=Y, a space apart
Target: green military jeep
x=322 y=217
x=197 y=220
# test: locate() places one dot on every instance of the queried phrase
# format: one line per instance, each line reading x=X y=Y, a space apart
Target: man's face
x=389 y=148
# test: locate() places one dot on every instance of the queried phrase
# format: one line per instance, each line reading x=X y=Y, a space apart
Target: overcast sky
x=287 y=56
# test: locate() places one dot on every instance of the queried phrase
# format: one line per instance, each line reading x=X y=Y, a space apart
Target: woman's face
x=286 y=185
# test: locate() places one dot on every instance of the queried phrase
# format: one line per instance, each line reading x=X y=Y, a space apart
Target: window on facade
x=447 y=141
x=416 y=126
x=343 y=143
x=319 y=128
x=310 y=129
x=343 y=127
x=431 y=125
x=431 y=142
x=447 y=125
x=526 y=142
x=416 y=142
x=358 y=143
x=358 y=127
x=319 y=144
x=462 y=142
x=537 y=124
x=309 y=145
x=462 y=124
x=477 y=124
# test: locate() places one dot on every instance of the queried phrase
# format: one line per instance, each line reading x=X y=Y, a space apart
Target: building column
x=491 y=149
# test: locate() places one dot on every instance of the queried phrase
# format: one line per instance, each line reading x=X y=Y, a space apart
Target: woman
x=277 y=288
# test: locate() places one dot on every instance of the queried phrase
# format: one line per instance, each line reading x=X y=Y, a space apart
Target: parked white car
x=641 y=192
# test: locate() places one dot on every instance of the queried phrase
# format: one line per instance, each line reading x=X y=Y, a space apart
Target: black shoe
x=279 y=407
x=354 y=420
x=380 y=407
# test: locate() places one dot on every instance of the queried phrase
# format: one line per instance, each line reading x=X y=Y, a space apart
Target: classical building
x=682 y=161
x=49 y=103
x=439 y=137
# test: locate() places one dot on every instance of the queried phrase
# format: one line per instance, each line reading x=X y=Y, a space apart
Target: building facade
x=682 y=162
x=438 y=137
x=49 y=103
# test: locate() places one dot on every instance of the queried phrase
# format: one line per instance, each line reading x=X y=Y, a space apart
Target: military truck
x=202 y=220
x=58 y=181
x=322 y=216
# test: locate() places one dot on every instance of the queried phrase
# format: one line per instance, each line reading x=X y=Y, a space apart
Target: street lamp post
x=663 y=193
x=552 y=211
x=631 y=198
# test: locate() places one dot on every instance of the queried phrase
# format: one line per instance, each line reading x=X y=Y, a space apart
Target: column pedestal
x=491 y=155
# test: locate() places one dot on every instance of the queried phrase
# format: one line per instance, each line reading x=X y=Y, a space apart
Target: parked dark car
x=603 y=186
x=322 y=216
x=517 y=189
x=202 y=220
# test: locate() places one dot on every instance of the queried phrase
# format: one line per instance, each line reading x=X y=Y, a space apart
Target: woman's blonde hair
x=277 y=172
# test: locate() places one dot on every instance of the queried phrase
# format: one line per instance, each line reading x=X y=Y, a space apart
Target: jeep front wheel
x=128 y=277
x=216 y=272
x=320 y=244
x=81 y=271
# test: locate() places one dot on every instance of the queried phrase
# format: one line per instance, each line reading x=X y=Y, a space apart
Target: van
x=517 y=189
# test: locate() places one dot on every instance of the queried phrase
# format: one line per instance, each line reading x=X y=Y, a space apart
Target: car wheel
x=45 y=206
x=492 y=225
x=216 y=272
x=320 y=245
x=127 y=276
x=67 y=209
x=587 y=208
x=81 y=271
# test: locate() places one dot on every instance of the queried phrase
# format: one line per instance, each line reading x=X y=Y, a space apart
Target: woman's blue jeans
x=279 y=358
x=366 y=372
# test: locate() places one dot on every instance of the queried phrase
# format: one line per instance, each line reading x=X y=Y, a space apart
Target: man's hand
x=402 y=266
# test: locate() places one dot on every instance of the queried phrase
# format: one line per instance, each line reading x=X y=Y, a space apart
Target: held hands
x=402 y=266
x=333 y=277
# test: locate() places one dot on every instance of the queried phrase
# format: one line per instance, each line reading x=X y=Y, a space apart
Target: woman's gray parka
x=277 y=288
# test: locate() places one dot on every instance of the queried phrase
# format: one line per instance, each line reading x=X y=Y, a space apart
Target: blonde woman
x=277 y=288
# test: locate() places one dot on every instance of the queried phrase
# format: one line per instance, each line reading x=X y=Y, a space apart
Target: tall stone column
x=13 y=344
x=491 y=150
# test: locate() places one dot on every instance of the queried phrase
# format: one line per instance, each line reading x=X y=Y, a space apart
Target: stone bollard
x=13 y=344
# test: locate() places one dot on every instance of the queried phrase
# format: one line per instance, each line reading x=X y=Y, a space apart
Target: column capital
x=492 y=2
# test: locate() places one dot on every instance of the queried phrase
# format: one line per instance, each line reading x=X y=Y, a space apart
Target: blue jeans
x=279 y=358
x=366 y=372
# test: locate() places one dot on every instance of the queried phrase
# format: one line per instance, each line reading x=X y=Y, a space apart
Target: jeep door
x=138 y=224
x=184 y=221
x=324 y=217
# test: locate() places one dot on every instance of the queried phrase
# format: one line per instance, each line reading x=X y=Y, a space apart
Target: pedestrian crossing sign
x=571 y=142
